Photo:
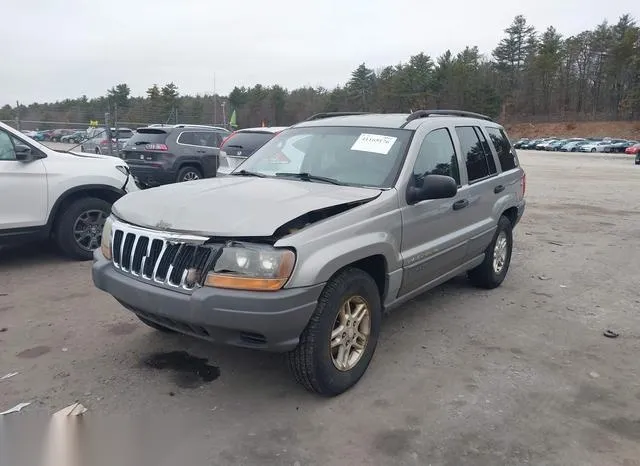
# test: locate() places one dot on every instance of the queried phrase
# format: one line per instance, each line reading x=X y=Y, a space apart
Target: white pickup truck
x=65 y=196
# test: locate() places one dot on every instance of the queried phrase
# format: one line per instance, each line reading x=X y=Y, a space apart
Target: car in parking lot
x=75 y=137
x=242 y=143
x=593 y=146
x=518 y=144
x=164 y=154
x=619 y=147
x=574 y=146
x=47 y=194
x=303 y=254
x=97 y=140
x=633 y=150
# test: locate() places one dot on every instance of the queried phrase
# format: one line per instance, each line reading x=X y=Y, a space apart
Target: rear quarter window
x=506 y=154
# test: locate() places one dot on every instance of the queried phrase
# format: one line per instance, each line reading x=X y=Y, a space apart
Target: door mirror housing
x=23 y=153
x=433 y=187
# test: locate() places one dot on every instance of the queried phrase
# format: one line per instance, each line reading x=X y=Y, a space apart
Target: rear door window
x=506 y=154
x=479 y=164
x=246 y=141
x=123 y=134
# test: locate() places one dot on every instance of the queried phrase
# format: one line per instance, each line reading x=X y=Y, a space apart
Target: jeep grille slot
x=161 y=258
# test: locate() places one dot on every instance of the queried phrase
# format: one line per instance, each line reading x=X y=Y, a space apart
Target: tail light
x=162 y=147
x=104 y=142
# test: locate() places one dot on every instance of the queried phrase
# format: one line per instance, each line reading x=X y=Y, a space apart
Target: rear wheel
x=593 y=150
x=78 y=230
x=188 y=174
x=338 y=344
x=497 y=257
x=97 y=151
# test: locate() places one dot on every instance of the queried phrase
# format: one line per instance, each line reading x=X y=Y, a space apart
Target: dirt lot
x=518 y=375
x=584 y=129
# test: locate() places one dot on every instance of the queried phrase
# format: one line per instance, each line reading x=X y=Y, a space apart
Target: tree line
x=529 y=76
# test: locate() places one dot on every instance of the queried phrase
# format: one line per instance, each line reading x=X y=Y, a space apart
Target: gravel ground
x=519 y=375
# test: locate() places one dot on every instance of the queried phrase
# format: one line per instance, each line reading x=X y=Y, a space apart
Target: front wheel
x=497 y=257
x=78 y=230
x=338 y=344
x=593 y=150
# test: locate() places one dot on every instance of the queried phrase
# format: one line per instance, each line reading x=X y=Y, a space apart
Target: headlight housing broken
x=252 y=267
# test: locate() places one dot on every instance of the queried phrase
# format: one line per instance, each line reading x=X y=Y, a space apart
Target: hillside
x=613 y=129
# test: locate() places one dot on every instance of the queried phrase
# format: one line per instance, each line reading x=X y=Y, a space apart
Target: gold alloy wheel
x=350 y=334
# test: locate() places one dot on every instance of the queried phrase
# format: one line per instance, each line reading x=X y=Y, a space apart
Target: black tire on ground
x=593 y=150
x=97 y=151
x=311 y=362
x=155 y=326
x=486 y=275
x=185 y=173
x=66 y=222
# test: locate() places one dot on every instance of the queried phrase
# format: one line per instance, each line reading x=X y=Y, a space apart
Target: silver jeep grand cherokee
x=304 y=245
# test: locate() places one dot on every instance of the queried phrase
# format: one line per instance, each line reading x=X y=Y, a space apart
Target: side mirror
x=23 y=153
x=433 y=187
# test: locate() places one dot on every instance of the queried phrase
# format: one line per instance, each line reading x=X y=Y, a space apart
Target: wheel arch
x=107 y=193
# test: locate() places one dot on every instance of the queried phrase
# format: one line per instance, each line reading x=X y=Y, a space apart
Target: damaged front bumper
x=265 y=320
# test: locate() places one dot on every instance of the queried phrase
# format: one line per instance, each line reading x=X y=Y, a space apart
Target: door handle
x=498 y=189
x=461 y=204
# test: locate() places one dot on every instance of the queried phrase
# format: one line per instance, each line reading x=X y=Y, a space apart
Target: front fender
x=320 y=265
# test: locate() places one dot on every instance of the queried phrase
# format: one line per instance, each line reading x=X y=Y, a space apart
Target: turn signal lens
x=252 y=267
x=105 y=244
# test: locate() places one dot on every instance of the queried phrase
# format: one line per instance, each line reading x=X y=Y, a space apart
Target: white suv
x=61 y=195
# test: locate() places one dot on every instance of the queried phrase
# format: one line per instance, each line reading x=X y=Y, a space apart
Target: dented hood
x=232 y=206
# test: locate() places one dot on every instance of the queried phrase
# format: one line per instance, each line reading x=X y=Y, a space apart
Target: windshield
x=349 y=155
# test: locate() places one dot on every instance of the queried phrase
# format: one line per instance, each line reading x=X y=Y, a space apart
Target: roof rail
x=461 y=113
x=319 y=116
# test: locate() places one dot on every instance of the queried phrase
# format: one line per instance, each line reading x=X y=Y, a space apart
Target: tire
x=97 y=151
x=81 y=148
x=312 y=361
x=188 y=173
x=155 y=326
x=593 y=150
x=85 y=216
x=485 y=275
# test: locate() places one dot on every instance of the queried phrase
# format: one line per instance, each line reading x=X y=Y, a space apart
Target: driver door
x=433 y=231
x=23 y=187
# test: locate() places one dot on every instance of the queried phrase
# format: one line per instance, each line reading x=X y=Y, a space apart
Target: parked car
x=593 y=146
x=557 y=144
x=610 y=144
x=97 y=140
x=305 y=258
x=242 y=143
x=619 y=147
x=544 y=145
x=75 y=137
x=29 y=133
x=59 y=195
x=167 y=154
x=56 y=134
x=529 y=145
x=518 y=144
x=573 y=146
x=632 y=150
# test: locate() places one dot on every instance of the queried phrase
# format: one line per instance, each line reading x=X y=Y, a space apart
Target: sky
x=57 y=49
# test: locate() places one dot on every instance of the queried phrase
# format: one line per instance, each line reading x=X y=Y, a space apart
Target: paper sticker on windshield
x=374 y=143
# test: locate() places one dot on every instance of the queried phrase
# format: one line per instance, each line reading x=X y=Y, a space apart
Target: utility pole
x=115 y=124
x=17 y=115
x=215 y=102
x=108 y=131
x=224 y=117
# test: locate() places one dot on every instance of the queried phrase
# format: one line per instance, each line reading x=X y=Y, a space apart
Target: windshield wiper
x=248 y=173
x=309 y=177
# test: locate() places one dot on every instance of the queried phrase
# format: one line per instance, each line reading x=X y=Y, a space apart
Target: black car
x=161 y=154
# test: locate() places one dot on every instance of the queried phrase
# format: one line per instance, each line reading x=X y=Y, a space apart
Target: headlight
x=105 y=245
x=255 y=267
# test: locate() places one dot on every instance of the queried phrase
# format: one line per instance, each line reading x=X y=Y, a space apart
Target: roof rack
x=319 y=116
x=461 y=113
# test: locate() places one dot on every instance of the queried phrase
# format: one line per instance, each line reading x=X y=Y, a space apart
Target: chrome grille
x=173 y=260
